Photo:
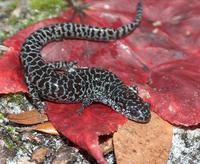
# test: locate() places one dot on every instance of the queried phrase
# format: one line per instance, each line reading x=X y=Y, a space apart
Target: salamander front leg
x=63 y=65
x=134 y=88
x=85 y=103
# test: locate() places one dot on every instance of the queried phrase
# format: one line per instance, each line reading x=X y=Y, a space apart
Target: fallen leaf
x=143 y=143
x=182 y=105
x=39 y=154
x=28 y=118
x=11 y=73
x=46 y=127
x=84 y=129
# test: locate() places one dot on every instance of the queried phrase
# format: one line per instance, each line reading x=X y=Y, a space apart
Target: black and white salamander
x=77 y=84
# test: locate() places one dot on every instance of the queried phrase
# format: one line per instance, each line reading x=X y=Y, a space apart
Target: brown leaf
x=143 y=143
x=46 y=127
x=39 y=154
x=28 y=118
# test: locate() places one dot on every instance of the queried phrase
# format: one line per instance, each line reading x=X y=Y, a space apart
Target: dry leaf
x=46 y=127
x=28 y=118
x=39 y=154
x=143 y=143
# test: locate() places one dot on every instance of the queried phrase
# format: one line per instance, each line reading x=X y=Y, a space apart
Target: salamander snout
x=139 y=112
x=146 y=112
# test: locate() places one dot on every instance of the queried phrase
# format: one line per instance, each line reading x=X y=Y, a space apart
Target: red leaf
x=85 y=128
x=183 y=78
x=11 y=75
x=168 y=48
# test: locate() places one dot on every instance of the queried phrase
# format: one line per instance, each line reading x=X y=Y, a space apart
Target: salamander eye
x=134 y=112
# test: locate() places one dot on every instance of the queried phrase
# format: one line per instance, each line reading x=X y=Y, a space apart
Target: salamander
x=73 y=84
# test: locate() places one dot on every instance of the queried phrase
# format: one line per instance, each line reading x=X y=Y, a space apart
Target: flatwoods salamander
x=77 y=84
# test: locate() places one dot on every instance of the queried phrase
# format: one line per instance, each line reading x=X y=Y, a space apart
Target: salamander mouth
x=144 y=119
x=141 y=119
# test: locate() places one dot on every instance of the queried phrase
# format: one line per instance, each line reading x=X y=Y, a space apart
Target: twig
x=78 y=8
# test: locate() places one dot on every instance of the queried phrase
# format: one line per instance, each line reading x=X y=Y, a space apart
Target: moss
x=17 y=98
x=11 y=139
x=47 y=4
x=10 y=130
x=13 y=20
x=36 y=10
x=1 y=116
x=13 y=4
x=9 y=143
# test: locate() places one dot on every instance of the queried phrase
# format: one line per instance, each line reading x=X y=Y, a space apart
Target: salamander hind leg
x=63 y=65
x=36 y=101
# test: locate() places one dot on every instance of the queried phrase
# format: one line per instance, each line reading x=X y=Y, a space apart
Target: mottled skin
x=77 y=84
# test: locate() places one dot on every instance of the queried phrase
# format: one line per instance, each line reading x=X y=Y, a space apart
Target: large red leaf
x=11 y=74
x=176 y=93
x=84 y=129
x=165 y=55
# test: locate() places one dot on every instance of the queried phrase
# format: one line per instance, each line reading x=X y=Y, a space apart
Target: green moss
x=1 y=116
x=3 y=36
x=13 y=20
x=13 y=4
x=11 y=137
x=9 y=143
x=36 y=10
x=47 y=4
x=10 y=129
x=17 y=98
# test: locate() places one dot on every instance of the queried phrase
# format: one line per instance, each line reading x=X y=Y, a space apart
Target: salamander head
x=134 y=108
